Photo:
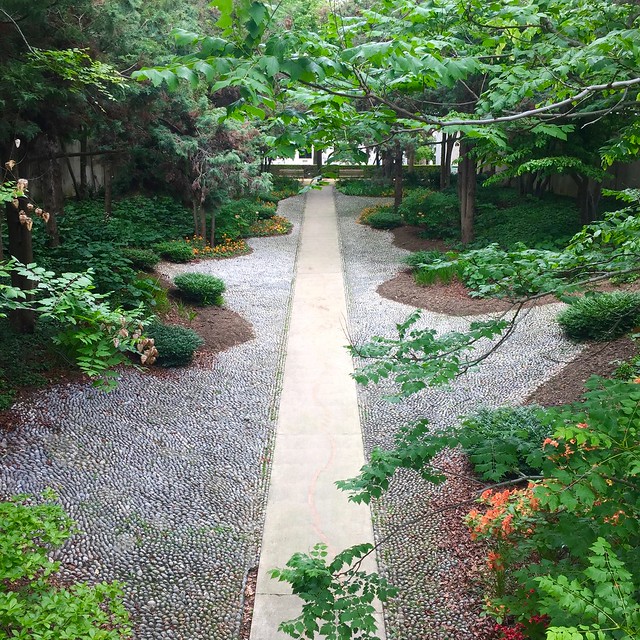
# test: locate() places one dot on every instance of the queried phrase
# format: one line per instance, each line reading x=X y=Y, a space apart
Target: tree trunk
x=387 y=167
x=589 y=193
x=212 y=240
x=526 y=184
x=76 y=188
x=541 y=185
x=94 y=178
x=52 y=193
x=317 y=158
x=467 y=184
x=448 y=144
x=22 y=320
x=411 y=159
x=397 y=194
x=196 y=220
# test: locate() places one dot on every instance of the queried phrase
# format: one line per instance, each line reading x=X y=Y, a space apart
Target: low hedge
x=142 y=259
x=201 y=288
x=384 y=220
x=175 y=251
x=176 y=345
x=601 y=316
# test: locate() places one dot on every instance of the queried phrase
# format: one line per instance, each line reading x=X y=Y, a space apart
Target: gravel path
x=167 y=475
x=431 y=561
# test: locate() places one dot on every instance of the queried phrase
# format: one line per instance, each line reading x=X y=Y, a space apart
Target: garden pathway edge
x=318 y=439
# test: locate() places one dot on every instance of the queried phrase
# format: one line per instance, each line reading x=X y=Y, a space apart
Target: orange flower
x=494 y=561
x=507 y=527
x=485 y=494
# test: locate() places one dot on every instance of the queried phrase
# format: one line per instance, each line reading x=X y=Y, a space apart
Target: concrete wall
x=623 y=176
x=94 y=173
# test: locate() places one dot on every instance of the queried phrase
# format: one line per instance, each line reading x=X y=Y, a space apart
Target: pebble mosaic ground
x=431 y=560
x=167 y=475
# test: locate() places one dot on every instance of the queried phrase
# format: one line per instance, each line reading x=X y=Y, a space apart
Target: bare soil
x=408 y=237
x=220 y=328
x=452 y=299
x=599 y=358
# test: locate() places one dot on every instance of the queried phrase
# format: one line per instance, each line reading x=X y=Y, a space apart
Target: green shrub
x=384 y=220
x=418 y=258
x=437 y=212
x=364 y=187
x=112 y=272
x=235 y=217
x=176 y=345
x=503 y=443
x=284 y=187
x=427 y=270
x=367 y=212
x=201 y=288
x=148 y=290
x=505 y=217
x=424 y=176
x=269 y=197
x=35 y=602
x=425 y=277
x=141 y=259
x=90 y=240
x=601 y=316
x=628 y=370
x=175 y=250
x=136 y=221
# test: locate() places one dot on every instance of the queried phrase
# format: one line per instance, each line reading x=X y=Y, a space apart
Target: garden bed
x=598 y=358
x=220 y=328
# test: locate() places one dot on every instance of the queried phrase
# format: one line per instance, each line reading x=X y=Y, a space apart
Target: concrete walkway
x=319 y=438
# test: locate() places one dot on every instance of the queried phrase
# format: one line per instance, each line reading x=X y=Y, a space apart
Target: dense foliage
x=504 y=443
x=435 y=212
x=355 y=187
x=34 y=602
x=601 y=316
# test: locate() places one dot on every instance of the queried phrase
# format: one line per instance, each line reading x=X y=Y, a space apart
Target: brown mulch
x=9 y=419
x=452 y=299
x=408 y=237
x=220 y=329
x=599 y=358
x=249 y=602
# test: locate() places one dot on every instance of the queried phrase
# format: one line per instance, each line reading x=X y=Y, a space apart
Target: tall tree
x=538 y=63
